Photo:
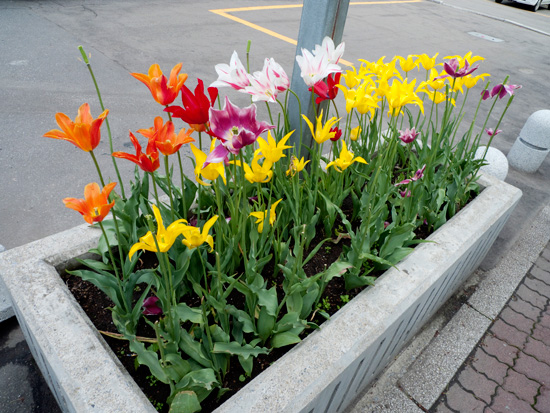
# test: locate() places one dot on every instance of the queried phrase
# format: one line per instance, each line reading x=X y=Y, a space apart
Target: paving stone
x=521 y=386
x=441 y=408
x=517 y=320
x=524 y=308
x=533 y=369
x=543 y=264
x=537 y=285
x=546 y=253
x=477 y=383
x=540 y=273
x=460 y=400
x=532 y=297
x=490 y=366
x=503 y=351
x=508 y=333
x=538 y=350
x=543 y=401
x=545 y=320
x=542 y=333
x=506 y=402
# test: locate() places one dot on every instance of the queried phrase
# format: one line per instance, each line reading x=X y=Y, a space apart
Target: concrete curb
x=6 y=310
x=422 y=372
x=325 y=372
x=430 y=374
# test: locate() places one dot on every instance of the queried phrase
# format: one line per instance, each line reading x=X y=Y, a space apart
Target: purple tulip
x=503 y=90
x=453 y=69
x=491 y=132
x=419 y=174
x=408 y=135
x=151 y=306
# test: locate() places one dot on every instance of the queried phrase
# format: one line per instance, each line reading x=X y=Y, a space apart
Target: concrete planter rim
x=87 y=376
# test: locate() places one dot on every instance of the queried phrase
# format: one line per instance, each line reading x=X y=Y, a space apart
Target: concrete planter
x=324 y=373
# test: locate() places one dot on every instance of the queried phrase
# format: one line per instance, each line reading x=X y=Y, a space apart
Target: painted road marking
x=225 y=13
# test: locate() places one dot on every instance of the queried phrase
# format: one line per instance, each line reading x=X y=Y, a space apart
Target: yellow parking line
x=296 y=6
x=225 y=13
x=255 y=26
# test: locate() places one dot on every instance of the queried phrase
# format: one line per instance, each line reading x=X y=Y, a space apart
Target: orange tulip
x=148 y=161
x=95 y=206
x=165 y=138
x=83 y=132
x=164 y=91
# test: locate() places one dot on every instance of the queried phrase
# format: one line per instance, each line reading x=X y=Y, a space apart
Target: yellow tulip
x=426 y=61
x=321 y=133
x=193 y=237
x=165 y=237
x=260 y=216
x=346 y=159
x=296 y=165
x=355 y=133
x=256 y=173
x=407 y=64
x=271 y=150
x=212 y=171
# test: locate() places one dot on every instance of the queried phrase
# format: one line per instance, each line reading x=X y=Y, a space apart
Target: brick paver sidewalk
x=509 y=370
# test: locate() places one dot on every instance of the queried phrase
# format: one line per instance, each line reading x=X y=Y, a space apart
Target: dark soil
x=96 y=305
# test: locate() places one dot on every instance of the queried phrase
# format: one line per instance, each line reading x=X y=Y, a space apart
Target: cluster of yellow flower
x=378 y=84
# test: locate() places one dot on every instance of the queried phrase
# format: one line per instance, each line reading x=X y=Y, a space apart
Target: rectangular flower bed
x=324 y=373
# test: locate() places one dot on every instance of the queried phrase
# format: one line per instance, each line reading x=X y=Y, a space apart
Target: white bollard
x=497 y=164
x=532 y=144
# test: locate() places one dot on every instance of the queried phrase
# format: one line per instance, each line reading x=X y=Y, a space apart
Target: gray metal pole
x=320 y=18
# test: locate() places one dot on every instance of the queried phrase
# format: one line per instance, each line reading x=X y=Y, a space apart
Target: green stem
x=98 y=169
x=114 y=264
x=269 y=111
x=182 y=188
x=83 y=53
x=155 y=188
x=169 y=184
x=299 y=149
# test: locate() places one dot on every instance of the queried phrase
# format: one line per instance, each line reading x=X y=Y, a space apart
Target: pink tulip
x=408 y=136
x=233 y=75
x=235 y=128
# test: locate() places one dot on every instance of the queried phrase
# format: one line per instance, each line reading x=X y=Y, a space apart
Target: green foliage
x=253 y=291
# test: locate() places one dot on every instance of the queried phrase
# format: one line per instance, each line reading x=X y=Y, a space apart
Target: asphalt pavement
x=41 y=75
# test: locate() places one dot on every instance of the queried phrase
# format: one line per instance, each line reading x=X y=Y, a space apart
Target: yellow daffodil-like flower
x=346 y=159
x=436 y=96
x=351 y=78
x=321 y=133
x=296 y=166
x=456 y=84
x=271 y=150
x=355 y=133
x=165 y=236
x=407 y=64
x=212 y=171
x=426 y=61
x=470 y=81
x=256 y=172
x=193 y=237
x=433 y=81
x=467 y=57
x=260 y=216
x=401 y=94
